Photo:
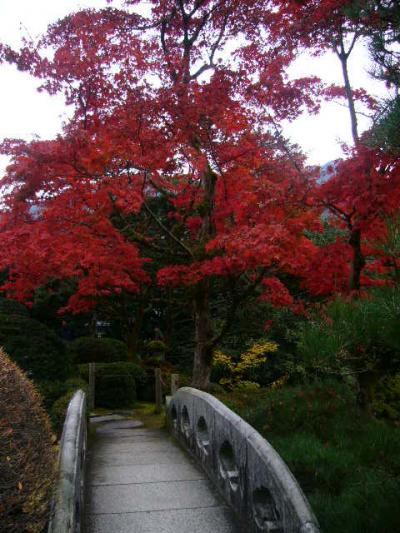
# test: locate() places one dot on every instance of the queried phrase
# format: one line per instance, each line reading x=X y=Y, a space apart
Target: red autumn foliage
x=173 y=150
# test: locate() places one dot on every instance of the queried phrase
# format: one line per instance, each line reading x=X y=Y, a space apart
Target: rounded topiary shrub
x=113 y=391
x=34 y=347
x=154 y=351
x=27 y=459
x=98 y=350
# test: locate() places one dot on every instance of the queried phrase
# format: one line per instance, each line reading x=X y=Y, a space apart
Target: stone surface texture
x=140 y=481
x=68 y=501
x=248 y=472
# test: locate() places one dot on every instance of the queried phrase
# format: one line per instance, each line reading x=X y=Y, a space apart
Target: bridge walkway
x=140 y=481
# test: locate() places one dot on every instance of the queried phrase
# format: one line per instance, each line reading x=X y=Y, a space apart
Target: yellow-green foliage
x=386 y=398
x=237 y=371
x=27 y=457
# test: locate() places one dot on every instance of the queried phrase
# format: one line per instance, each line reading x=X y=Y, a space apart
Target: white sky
x=25 y=113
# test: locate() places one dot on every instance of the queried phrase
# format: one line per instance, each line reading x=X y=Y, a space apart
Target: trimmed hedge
x=27 y=459
x=34 y=347
x=115 y=383
x=98 y=350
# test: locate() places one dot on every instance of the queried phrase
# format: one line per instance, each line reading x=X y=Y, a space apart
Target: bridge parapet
x=68 y=505
x=251 y=476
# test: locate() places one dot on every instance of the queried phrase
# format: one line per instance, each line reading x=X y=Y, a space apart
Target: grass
x=146 y=413
x=347 y=462
x=143 y=411
x=100 y=411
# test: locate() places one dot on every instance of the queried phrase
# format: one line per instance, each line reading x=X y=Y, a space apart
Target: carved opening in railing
x=202 y=435
x=185 y=422
x=265 y=511
x=228 y=465
x=174 y=416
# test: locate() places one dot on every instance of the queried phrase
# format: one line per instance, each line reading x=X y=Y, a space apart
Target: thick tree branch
x=167 y=231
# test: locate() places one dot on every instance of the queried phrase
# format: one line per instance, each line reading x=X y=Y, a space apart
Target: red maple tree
x=174 y=120
x=363 y=188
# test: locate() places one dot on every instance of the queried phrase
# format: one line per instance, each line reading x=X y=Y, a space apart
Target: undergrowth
x=347 y=462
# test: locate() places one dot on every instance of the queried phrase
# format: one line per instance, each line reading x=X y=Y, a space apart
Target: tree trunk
x=203 y=334
x=133 y=335
x=358 y=261
x=343 y=56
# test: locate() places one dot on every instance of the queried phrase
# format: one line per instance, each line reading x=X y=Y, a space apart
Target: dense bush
x=98 y=350
x=154 y=351
x=56 y=396
x=115 y=383
x=361 y=333
x=361 y=337
x=12 y=307
x=343 y=459
x=386 y=400
x=34 y=347
x=26 y=456
x=242 y=373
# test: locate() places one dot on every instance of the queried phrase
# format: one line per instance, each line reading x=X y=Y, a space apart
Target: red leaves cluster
x=164 y=112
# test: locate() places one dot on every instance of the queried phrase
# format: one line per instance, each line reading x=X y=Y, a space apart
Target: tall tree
x=175 y=107
x=361 y=188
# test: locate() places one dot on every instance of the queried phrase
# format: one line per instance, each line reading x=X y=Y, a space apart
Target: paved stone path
x=140 y=481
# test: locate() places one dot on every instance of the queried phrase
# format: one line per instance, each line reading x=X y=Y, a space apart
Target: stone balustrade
x=250 y=475
x=68 y=505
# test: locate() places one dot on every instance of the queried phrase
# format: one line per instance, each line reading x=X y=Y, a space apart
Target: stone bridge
x=210 y=472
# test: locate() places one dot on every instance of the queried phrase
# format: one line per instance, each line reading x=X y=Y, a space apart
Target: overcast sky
x=25 y=113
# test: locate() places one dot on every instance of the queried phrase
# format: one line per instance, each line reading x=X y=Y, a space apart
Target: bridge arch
x=248 y=472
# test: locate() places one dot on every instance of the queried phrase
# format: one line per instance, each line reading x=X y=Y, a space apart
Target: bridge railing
x=68 y=505
x=251 y=476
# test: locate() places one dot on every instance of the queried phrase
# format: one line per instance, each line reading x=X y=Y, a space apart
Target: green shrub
x=115 y=383
x=34 y=347
x=57 y=395
x=155 y=347
x=359 y=338
x=113 y=391
x=361 y=334
x=12 y=307
x=27 y=459
x=98 y=350
x=342 y=458
x=51 y=391
x=386 y=401
x=154 y=353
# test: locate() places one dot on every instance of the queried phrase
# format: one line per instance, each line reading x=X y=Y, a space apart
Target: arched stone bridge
x=214 y=474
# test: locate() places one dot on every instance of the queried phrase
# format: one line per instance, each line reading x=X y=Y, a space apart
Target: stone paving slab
x=124 y=434
x=122 y=424
x=114 y=475
x=142 y=431
x=208 y=520
x=106 y=418
x=131 y=445
x=151 y=496
x=144 y=458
